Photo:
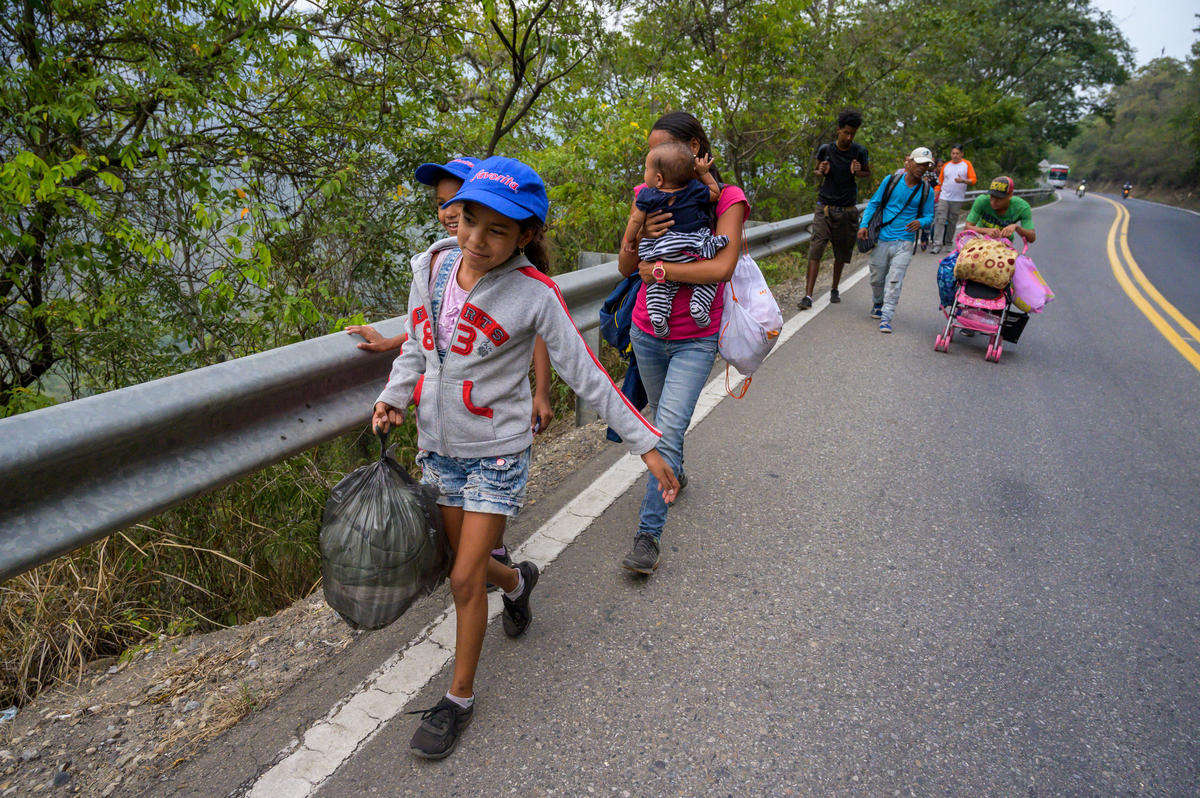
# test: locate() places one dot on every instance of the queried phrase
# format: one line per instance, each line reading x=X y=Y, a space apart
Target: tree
x=1147 y=134
x=185 y=184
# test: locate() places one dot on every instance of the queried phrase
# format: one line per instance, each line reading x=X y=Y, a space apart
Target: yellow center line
x=1118 y=269
x=1147 y=286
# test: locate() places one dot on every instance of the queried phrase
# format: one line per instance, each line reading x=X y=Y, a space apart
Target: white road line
x=353 y=721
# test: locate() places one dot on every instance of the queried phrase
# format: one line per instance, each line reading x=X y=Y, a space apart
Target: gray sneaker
x=441 y=725
x=643 y=558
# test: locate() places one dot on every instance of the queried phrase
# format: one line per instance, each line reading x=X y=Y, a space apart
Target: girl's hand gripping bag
x=382 y=543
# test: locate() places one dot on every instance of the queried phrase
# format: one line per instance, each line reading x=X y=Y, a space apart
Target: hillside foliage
x=1148 y=132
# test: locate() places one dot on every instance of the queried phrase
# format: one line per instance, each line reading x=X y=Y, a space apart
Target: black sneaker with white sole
x=643 y=558
x=440 y=728
x=517 y=614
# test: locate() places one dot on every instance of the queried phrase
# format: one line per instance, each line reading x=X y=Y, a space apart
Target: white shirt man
x=956 y=176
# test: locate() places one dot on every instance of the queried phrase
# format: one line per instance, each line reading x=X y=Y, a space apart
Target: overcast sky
x=1151 y=25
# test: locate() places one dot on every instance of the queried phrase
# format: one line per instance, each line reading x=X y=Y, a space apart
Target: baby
x=672 y=185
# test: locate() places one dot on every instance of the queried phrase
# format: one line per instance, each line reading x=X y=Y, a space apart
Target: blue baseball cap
x=457 y=169
x=508 y=187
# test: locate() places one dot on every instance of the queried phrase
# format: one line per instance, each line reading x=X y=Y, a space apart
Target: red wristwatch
x=659 y=272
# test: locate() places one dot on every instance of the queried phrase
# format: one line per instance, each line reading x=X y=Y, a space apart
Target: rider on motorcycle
x=1128 y=187
x=1079 y=192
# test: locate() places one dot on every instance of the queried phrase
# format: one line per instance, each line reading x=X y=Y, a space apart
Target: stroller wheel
x=941 y=344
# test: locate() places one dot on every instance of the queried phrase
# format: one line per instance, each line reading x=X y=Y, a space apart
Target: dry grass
x=57 y=618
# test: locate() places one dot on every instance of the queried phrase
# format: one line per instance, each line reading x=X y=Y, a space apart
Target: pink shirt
x=452 y=302
x=680 y=321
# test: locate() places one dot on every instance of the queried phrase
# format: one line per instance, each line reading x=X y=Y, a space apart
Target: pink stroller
x=982 y=309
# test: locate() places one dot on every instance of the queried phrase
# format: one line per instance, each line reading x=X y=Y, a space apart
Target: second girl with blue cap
x=473 y=313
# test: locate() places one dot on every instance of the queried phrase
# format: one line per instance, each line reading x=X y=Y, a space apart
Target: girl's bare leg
x=473 y=536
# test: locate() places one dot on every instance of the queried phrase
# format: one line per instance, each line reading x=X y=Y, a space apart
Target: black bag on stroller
x=382 y=543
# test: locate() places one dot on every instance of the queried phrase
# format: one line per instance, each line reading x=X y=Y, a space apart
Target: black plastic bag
x=382 y=543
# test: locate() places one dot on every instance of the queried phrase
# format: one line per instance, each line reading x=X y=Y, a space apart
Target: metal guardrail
x=75 y=472
x=1021 y=192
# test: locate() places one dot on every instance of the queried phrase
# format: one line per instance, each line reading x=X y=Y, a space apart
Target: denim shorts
x=478 y=484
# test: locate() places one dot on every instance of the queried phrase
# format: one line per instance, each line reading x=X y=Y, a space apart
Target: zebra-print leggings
x=680 y=248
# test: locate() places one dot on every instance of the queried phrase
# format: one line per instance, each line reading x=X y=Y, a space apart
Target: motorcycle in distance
x=1079 y=192
x=1125 y=191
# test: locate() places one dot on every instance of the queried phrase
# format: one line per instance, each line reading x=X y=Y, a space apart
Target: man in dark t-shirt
x=841 y=163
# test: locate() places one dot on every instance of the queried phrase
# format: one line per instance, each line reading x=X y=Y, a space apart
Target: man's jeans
x=889 y=262
x=673 y=374
x=945 y=220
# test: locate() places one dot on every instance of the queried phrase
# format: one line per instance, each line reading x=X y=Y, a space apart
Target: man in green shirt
x=1001 y=215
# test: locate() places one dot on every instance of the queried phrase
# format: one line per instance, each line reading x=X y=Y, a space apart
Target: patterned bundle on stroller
x=986 y=260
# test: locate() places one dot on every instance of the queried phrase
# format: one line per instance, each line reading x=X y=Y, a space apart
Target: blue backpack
x=616 y=314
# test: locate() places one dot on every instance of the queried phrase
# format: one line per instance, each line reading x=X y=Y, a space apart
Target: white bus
x=1057 y=174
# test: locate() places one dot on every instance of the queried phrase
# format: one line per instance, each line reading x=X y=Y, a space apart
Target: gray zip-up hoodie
x=477 y=402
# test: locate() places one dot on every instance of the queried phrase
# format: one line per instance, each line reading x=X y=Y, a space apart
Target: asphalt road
x=894 y=572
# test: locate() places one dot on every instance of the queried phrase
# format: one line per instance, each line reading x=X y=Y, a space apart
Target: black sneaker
x=516 y=615
x=806 y=303
x=834 y=296
x=643 y=558
x=440 y=727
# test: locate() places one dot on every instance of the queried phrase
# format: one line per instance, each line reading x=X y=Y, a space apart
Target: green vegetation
x=188 y=181
x=1148 y=132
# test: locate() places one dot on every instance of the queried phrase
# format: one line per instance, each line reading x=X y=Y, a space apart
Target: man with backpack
x=839 y=164
x=904 y=205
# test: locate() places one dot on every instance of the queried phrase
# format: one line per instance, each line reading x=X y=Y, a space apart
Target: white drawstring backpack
x=750 y=321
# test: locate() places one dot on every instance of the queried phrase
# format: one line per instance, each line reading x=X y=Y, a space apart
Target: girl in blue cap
x=445 y=180
x=472 y=320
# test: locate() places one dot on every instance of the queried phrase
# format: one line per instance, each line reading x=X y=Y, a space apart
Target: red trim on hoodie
x=417 y=390
x=530 y=271
x=486 y=412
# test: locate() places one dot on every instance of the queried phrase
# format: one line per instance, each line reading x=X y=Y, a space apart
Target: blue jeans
x=673 y=374
x=889 y=262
